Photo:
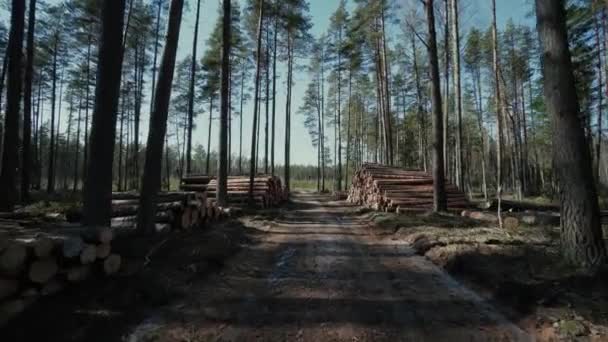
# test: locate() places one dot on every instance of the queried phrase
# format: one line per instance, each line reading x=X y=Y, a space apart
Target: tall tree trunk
x=267 y=106
x=258 y=57
x=158 y=124
x=457 y=91
x=387 y=94
x=10 y=156
x=446 y=113
x=120 y=142
x=67 y=144
x=191 y=91
x=97 y=196
x=242 y=96
x=499 y=112
x=439 y=196
x=86 y=106
x=290 y=58
x=50 y=185
x=348 y=142
x=208 y=161
x=339 y=105
x=274 y=92
x=222 y=175
x=581 y=238
x=77 y=151
x=26 y=168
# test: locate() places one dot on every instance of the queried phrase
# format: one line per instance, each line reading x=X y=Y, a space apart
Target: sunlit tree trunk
x=581 y=233
x=439 y=196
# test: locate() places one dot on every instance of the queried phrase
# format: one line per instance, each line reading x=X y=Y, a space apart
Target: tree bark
x=274 y=92
x=581 y=238
x=10 y=157
x=26 y=168
x=258 y=57
x=158 y=124
x=288 y=113
x=191 y=91
x=499 y=112
x=439 y=195
x=97 y=197
x=50 y=185
x=457 y=90
x=222 y=175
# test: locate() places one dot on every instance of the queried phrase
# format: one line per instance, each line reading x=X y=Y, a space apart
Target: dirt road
x=319 y=273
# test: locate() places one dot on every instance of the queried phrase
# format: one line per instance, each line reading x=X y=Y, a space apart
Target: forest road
x=320 y=272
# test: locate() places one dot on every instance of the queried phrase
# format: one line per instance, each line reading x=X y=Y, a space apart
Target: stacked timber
x=40 y=262
x=174 y=211
x=391 y=189
x=267 y=190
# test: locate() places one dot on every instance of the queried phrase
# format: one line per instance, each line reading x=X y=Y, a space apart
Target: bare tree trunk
x=77 y=152
x=499 y=109
x=290 y=58
x=26 y=169
x=158 y=123
x=241 y=123
x=582 y=242
x=387 y=95
x=222 y=175
x=457 y=90
x=350 y=89
x=439 y=196
x=97 y=196
x=10 y=158
x=50 y=185
x=267 y=100
x=446 y=113
x=339 y=105
x=274 y=92
x=208 y=161
x=191 y=91
x=86 y=107
x=253 y=161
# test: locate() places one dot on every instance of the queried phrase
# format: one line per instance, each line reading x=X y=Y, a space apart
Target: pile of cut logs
x=174 y=210
x=38 y=262
x=391 y=189
x=267 y=190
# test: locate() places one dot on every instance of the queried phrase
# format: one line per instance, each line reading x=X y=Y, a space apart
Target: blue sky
x=474 y=13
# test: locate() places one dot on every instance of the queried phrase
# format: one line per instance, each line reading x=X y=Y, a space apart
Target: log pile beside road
x=267 y=190
x=386 y=188
x=38 y=262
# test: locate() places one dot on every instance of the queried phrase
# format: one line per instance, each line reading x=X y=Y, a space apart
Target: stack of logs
x=267 y=190
x=391 y=189
x=39 y=262
x=174 y=210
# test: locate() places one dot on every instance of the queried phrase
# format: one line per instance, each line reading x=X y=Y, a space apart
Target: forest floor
x=321 y=270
